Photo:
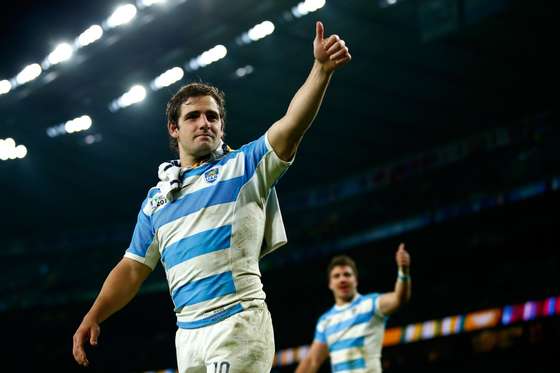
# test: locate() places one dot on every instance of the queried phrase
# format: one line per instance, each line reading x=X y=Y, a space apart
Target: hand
x=87 y=330
x=331 y=52
x=402 y=257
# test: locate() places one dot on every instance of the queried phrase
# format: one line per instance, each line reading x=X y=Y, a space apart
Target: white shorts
x=242 y=343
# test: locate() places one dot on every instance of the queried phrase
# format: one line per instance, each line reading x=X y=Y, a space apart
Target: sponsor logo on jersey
x=157 y=201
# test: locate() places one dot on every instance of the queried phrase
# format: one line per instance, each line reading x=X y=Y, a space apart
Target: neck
x=340 y=301
x=188 y=160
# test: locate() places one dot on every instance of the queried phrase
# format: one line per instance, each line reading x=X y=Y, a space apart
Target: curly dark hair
x=173 y=109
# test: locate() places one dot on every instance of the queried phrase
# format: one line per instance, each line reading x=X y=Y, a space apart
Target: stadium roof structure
x=423 y=73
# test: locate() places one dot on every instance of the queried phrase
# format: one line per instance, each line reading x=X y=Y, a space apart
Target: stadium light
x=208 y=57
x=122 y=15
x=244 y=71
x=167 y=78
x=5 y=86
x=257 y=32
x=89 y=36
x=9 y=150
x=29 y=73
x=134 y=95
x=78 y=124
x=148 y=3
x=306 y=7
x=261 y=30
x=61 y=53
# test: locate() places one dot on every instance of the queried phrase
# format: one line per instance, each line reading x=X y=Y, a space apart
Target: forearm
x=120 y=286
x=306 y=102
x=306 y=366
x=286 y=134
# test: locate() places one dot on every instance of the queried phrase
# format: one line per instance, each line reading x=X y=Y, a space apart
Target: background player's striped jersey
x=353 y=334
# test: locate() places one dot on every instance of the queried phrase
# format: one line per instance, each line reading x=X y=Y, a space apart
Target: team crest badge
x=211 y=175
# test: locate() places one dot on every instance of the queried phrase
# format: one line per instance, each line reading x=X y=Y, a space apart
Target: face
x=343 y=283
x=199 y=128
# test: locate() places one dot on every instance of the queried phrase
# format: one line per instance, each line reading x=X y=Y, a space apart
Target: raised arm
x=330 y=53
x=120 y=286
x=317 y=354
x=390 y=302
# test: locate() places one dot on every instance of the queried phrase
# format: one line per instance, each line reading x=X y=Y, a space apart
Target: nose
x=204 y=122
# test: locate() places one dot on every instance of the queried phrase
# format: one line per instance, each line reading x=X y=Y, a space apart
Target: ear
x=173 y=129
x=222 y=129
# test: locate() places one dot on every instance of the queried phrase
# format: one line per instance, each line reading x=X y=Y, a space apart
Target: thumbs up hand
x=330 y=52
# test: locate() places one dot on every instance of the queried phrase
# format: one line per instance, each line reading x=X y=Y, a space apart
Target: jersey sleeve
x=263 y=163
x=320 y=335
x=376 y=311
x=144 y=247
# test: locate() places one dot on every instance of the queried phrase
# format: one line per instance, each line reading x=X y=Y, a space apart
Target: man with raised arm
x=351 y=332
x=209 y=220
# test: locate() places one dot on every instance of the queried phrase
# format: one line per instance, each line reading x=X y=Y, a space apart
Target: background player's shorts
x=242 y=343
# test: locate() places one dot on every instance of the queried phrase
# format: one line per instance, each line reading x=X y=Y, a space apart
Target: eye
x=212 y=117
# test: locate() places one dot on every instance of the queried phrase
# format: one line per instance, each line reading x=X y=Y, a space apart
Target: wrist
x=323 y=68
x=403 y=274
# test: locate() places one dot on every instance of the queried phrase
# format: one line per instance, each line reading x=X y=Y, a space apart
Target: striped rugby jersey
x=209 y=237
x=353 y=334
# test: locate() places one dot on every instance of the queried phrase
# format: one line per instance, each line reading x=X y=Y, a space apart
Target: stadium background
x=442 y=133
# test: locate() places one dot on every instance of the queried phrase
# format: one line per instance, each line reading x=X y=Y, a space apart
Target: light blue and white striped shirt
x=209 y=237
x=353 y=334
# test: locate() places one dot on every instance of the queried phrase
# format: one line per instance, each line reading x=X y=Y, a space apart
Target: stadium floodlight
x=5 y=86
x=90 y=35
x=78 y=124
x=9 y=150
x=148 y=3
x=257 y=32
x=21 y=151
x=261 y=30
x=61 y=53
x=135 y=94
x=167 y=78
x=386 y=3
x=122 y=15
x=208 y=57
x=243 y=71
x=307 y=7
x=29 y=73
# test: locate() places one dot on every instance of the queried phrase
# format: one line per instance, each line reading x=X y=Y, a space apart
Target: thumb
x=93 y=336
x=401 y=247
x=319 y=31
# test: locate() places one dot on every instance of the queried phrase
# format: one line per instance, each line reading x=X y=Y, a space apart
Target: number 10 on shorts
x=221 y=367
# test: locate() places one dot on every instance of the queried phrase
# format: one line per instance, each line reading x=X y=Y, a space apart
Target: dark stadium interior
x=441 y=133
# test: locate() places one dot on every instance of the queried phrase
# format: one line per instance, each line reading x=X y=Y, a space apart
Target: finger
x=78 y=348
x=319 y=31
x=336 y=47
x=80 y=355
x=330 y=41
x=401 y=246
x=340 y=54
x=343 y=61
x=94 y=334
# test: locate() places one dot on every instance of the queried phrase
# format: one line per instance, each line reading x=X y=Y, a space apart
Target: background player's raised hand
x=330 y=52
x=402 y=257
